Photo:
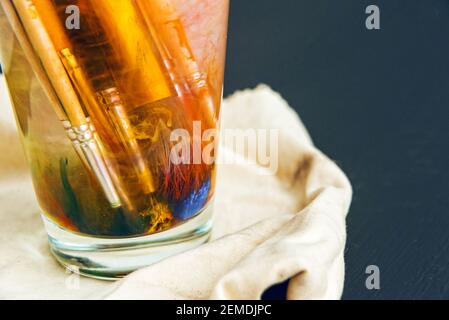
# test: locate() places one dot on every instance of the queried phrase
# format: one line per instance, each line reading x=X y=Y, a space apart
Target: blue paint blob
x=193 y=203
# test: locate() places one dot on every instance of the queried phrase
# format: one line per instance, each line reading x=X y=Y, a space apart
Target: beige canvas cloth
x=267 y=229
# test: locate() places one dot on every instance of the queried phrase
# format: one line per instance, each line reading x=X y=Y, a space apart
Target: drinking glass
x=117 y=103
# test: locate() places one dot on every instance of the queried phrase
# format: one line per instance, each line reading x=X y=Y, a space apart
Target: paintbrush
x=191 y=85
x=41 y=54
x=167 y=28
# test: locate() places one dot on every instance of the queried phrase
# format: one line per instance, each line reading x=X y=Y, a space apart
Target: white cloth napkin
x=267 y=229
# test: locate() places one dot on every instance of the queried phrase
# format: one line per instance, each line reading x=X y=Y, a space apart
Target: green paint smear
x=71 y=206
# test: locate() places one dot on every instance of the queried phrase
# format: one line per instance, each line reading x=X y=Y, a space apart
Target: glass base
x=111 y=259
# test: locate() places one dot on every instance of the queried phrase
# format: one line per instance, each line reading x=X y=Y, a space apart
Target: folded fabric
x=269 y=225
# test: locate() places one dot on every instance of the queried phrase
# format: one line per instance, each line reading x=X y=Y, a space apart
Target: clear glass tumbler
x=118 y=103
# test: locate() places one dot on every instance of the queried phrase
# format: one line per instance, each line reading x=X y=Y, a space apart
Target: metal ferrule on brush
x=83 y=138
x=117 y=112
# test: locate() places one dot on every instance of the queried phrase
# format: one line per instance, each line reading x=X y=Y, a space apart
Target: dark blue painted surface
x=378 y=103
